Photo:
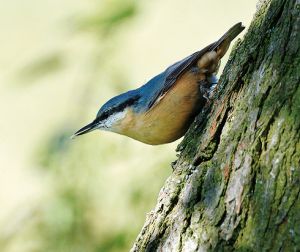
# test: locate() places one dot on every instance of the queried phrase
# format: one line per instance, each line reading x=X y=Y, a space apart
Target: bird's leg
x=213 y=82
x=206 y=88
x=208 y=65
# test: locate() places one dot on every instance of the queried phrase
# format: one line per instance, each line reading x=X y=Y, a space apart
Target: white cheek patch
x=111 y=120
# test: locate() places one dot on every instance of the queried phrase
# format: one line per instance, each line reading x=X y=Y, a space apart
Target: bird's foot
x=207 y=88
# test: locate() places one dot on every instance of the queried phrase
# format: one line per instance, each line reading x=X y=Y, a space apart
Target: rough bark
x=236 y=183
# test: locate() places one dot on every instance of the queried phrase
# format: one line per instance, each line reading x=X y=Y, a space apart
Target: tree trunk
x=236 y=183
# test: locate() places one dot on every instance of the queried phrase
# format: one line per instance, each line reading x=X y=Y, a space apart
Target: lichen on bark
x=236 y=183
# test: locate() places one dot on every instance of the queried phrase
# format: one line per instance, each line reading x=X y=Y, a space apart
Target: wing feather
x=176 y=70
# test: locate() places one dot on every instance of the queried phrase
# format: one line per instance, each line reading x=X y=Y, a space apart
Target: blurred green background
x=60 y=60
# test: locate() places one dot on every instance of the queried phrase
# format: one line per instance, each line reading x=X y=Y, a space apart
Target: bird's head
x=111 y=113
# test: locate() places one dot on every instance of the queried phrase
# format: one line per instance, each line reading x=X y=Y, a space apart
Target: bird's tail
x=223 y=43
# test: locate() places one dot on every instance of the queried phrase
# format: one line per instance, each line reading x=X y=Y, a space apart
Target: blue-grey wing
x=174 y=72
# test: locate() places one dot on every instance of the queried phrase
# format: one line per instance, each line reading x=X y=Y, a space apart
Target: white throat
x=108 y=123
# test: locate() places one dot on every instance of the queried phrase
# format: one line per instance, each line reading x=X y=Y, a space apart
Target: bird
x=162 y=110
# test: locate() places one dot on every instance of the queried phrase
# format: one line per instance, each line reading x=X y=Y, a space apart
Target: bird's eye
x=102 y=116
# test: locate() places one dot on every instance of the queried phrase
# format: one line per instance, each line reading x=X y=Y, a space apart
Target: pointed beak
x=88 y=128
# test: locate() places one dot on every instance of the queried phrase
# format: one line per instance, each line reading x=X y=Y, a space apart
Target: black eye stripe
x=118 y=108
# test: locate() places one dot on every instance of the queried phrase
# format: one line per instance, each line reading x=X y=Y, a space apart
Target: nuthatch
x=161 y=110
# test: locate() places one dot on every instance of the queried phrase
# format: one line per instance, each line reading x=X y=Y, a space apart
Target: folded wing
x=176 y=70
